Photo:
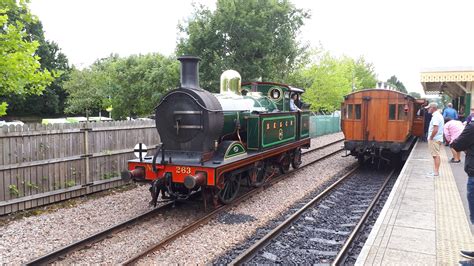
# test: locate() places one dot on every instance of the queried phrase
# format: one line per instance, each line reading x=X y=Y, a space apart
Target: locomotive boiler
x=215 y=142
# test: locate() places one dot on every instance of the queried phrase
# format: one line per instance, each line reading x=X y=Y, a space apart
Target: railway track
x=59 y=253
x=64 y=251
x=223 y=208
x=335 y=236
x=323 y=146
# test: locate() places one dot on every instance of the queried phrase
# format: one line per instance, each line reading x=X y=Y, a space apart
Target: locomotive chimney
x=189 y=71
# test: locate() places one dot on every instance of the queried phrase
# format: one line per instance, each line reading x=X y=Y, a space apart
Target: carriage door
x=365 y=117
x=419 y=119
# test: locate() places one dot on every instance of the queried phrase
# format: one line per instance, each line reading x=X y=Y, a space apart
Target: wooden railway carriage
x=380 y=123
x=213 y=142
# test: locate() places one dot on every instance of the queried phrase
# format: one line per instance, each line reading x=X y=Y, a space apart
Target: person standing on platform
x=461 y=113
x=450 y=112
x=452 y=130
x=469 y=117
x=465 y=142
x=427 y=117
x=435 y=136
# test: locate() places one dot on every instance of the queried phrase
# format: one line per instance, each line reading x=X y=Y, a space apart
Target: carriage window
x=392 y=108
x=420 y=111
x=401 y=112
x=349 y=111
x=357 y=111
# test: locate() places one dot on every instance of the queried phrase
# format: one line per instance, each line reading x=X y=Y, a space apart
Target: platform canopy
x=455 y=82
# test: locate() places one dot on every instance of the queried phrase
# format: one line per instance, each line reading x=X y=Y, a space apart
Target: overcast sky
x=399 y=37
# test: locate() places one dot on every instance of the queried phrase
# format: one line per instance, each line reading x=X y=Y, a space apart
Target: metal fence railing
x=324 y=124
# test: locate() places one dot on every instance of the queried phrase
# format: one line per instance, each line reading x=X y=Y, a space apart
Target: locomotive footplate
x=186 y=175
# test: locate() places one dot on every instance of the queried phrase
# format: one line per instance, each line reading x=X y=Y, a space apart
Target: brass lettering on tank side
x=283 y=130
x=281 y=125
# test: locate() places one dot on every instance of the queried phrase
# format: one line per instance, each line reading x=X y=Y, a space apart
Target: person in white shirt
x=435 y=136
x=293 y=107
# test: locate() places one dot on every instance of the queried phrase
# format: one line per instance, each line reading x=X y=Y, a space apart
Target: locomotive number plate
x=183 y=170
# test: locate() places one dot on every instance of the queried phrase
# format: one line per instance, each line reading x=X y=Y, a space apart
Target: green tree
x=51 y=100
x=327 y=79
x=138 y=82
x=131 y=85
x=256 y=38
x=20 y=70
x=397 y=84
x=364 y=74
x=86 y=89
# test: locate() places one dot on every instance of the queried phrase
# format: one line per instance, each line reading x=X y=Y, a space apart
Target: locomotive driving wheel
x=231 y=188
x=296 y=162
x=285 y=162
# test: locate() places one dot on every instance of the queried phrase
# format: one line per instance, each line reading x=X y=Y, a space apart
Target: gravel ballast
x=24 y=239
x=318 y=234
x=215 y=238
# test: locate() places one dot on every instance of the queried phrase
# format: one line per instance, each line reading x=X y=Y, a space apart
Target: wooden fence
x=42 y=164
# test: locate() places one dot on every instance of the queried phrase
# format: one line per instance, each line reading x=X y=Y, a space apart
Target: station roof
x=454 y=82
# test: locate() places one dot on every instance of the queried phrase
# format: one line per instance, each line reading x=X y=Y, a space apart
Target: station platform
x=425 y=219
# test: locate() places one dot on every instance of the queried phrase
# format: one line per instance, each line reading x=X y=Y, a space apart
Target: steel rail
x=345 y=248
x=63 y=251
x=322 y=147
x=252 y=250
x=220 y=209
x=56 y=254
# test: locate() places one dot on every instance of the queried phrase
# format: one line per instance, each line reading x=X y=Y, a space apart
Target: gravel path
x=223 y=233
x=29 y=237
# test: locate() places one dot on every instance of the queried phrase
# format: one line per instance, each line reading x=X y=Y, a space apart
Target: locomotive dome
x=230 y=82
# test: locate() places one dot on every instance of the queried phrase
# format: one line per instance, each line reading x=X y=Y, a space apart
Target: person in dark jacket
x=428 y=117
x=465 y=142
x=469 y=118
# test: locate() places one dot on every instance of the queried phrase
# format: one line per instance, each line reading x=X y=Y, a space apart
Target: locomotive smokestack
x=189 y=71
